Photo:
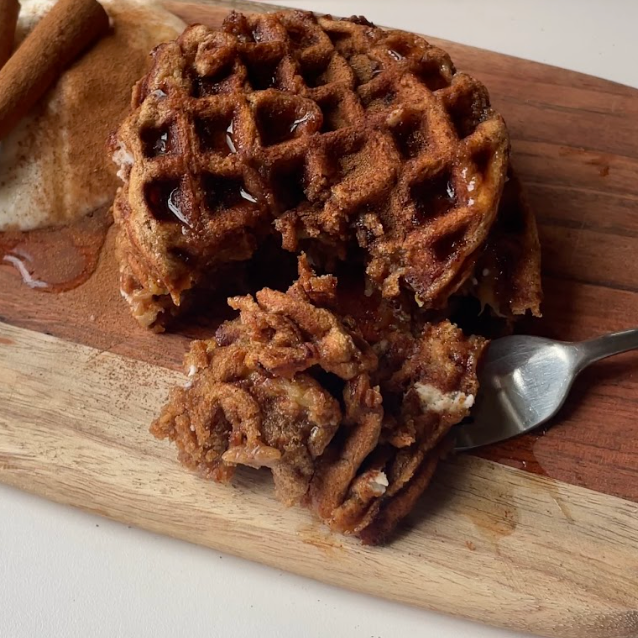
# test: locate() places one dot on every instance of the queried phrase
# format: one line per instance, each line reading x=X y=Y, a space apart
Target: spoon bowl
x=525 y=380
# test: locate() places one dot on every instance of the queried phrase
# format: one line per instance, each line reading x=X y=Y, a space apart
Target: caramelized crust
x=352 y=430
x=333 y=134
x=256 y=396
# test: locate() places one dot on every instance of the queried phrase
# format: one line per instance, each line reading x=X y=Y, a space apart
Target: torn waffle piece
x=333 y=136
x=293 y=386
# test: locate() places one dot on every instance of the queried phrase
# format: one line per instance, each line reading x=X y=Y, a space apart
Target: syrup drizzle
x=174 y=206
x=247 y=196
x=18 y=260
x=56 y=259
x=298 y=122
x=229 y=138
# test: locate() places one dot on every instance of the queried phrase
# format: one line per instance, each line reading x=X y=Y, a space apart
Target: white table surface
x=67 y=574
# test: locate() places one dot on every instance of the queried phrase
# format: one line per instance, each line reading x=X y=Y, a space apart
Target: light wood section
x=488 y=543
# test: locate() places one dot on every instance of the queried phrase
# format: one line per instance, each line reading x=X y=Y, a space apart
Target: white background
x=70 y=575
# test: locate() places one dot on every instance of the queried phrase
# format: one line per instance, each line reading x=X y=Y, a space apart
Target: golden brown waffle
x=258 y=394
x=370 y=476
x=332 y=133
x=353 y=431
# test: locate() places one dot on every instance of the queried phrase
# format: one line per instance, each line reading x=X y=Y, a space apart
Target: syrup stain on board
x=601 y=161
x=497 y=518
x=56 y=259
x=495 y=524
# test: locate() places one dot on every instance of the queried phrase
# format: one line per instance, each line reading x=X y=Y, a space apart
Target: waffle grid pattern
x=334 y=131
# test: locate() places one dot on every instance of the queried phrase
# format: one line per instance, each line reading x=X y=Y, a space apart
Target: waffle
x=336 y=136
x=353 y=431
x=252 y=399
x=507 y=273
x=365 y=152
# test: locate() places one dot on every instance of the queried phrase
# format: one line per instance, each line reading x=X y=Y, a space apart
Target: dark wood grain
x=575 y=145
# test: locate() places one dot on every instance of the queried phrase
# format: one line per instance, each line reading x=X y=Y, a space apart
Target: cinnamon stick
x=69 y=28
x=9 y=10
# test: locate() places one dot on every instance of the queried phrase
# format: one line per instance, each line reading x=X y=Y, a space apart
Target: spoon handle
x=606 y=346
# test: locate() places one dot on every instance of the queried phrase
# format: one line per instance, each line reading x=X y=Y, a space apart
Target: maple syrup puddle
x=60 y=258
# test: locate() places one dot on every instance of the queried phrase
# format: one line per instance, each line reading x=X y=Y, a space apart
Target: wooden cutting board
x=539 y=534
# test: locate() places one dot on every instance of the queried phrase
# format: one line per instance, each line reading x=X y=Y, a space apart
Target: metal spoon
x=525 y=380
